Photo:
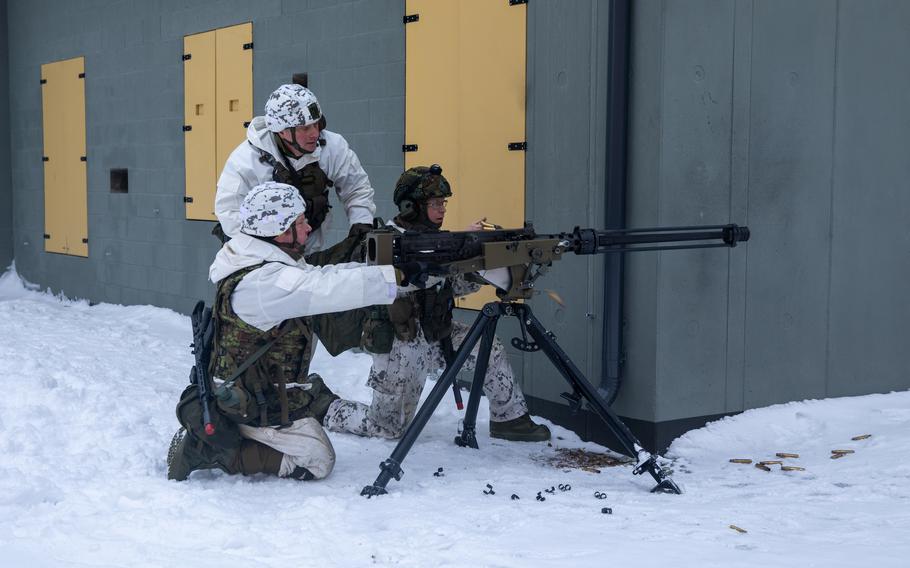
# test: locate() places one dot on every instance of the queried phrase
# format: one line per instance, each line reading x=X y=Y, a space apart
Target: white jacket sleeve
x=276 y=292
x=239 y=176
x=351 y=181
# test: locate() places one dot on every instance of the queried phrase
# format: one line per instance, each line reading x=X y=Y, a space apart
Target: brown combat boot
x=521 y=429
x=186 y=455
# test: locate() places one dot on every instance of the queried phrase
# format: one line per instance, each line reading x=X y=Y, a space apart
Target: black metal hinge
x=83 y=159
x=409 y=148
x=82 y=75
x=248 y=45
x=522 y=146
x=187 y=127
x=43 y=81
x=85 y=240
x=411 y=18
x=246 y=124
x=517 y=2
x=46 y=236
x=187 y=199
x=187 y=56
x=45 y=159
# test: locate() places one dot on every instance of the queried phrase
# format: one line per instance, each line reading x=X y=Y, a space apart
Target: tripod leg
x=631 y=445
x=468 y=436
x=391 y=467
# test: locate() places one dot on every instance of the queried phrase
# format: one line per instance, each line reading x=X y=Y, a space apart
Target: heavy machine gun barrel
x=527 y=254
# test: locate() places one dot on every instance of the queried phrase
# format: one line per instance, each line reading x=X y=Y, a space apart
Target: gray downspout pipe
x=615 y=199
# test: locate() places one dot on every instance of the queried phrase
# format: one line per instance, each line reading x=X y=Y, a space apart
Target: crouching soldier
x=267 y=411
x=416 y=335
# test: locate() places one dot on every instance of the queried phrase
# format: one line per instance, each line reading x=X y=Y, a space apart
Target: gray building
x=785 y=116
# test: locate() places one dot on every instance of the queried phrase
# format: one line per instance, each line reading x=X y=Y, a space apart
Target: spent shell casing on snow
x=842 y=451
x=786 y=455
x=762 y=466
x=771 y=462
x=862 y=437
x=740 y=460
x=792 y=468
x=737 y=529
x=837 y=456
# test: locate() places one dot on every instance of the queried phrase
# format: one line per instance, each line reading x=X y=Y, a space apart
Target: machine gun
x=525 y=256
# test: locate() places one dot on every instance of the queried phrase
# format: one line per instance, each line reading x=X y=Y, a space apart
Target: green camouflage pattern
x=287 y=359
x=417 y=184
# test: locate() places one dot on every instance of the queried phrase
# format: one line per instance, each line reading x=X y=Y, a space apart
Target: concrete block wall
x=141 y=247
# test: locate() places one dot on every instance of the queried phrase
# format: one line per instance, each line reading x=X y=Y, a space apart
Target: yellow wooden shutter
x=199 y=124
x=218 y=102
x=465 y=103
x=65 y=184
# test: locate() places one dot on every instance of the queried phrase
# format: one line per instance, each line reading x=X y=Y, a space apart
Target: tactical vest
x=432 y=307
x=286 y=361
x=311 y=182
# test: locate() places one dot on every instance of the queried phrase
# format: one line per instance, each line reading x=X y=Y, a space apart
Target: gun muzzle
x=733 y=234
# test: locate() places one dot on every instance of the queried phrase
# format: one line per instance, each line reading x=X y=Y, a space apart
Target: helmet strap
x=292 y=143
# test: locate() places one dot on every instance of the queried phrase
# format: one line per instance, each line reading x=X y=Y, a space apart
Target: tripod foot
x=667 y=485
x=649 y=464
x=467 y=439
x=372 y=491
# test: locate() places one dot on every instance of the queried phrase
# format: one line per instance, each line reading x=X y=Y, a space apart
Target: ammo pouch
x=403 y=318
x=378 y=332
x=236 y=402
x=436 y=311
x=189 y=414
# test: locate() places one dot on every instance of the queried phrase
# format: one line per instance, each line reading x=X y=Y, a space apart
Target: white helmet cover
x=270 y=208
x=289 y=106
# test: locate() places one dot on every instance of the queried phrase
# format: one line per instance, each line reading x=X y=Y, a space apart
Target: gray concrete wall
x=6 y=190
x=141 y=248
x=566 y=131
x=787 y=116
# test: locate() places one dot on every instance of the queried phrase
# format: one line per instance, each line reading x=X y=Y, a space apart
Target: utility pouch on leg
x=189 y=414
x=403 y=318
x=378 y=331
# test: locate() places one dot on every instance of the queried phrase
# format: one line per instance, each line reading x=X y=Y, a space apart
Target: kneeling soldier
x=267 y=410
x=410 y=339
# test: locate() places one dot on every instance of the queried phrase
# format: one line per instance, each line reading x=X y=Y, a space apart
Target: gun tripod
x=484 y=330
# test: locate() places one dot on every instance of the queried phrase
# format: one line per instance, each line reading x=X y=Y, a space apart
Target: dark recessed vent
x=120 y=180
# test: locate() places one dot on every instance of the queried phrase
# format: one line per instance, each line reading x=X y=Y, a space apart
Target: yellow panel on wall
x=199 y=124
x=465 y=103
x=233 y=89
x=65 y=184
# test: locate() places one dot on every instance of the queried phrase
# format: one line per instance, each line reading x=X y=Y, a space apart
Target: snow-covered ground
x=86 y=414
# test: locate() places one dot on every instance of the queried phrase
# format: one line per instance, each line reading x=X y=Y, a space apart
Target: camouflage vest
x=287 y=361
x=311 y=182
x=431 y=307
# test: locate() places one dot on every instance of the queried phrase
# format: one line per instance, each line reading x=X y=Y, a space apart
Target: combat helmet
x=415 y=186
x=290 y=106
x=269 y=209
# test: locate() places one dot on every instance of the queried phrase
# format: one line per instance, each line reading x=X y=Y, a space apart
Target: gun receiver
x=527 y=255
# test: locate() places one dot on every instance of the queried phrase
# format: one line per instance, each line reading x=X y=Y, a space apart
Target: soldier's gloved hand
x=360 y=229
x=416 y=272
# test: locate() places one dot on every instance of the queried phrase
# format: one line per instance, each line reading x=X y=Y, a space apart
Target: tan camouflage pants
x=397 y=379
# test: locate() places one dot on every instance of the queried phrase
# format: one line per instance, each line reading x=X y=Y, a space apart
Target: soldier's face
x=436 y=210
x=303 y=231
x=306 y=136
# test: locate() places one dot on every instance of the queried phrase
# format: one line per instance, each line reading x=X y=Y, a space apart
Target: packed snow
x=87 y=412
